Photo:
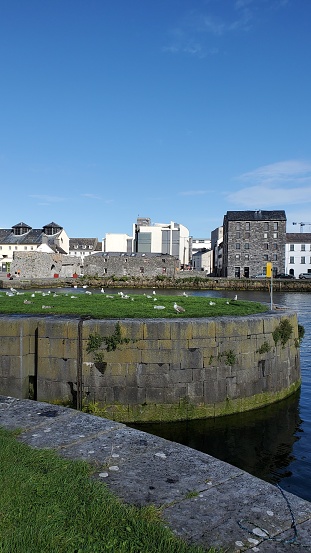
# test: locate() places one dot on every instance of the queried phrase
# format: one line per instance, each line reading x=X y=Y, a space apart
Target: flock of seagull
x=177 y=308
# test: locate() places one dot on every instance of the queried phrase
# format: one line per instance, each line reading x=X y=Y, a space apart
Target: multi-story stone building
x=251 y=239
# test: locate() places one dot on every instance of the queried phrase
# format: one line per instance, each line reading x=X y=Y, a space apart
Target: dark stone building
x=251 y=239
x=130 y=264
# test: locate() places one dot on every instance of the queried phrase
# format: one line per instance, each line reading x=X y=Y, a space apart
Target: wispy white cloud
x=279 y=184
x=47 y=198
x=193 y=193
x=91 y=196
x=197 y=33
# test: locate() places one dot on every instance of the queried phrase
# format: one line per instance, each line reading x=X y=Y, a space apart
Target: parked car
x=284 y=275
x=305 y=275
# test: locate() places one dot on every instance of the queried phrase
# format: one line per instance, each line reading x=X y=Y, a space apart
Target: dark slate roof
x=82 y=242
x=21 y=225
x=258 y=215
x=298 y=237
x=34 y=236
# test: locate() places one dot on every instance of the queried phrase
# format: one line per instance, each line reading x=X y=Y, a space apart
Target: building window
x=292 y=247
x=275 y=226
x=141 y=270
x=247 y=226
x=266 y=226
x=105 y=270
x=303 y=247
x=265 y=257
x=266 y=246
x=291 y=260
x=303 y=260
x=246 y=257
x=237 y=272
x=237 y=256
x=238 y=226
x=247 y=235
x=238 y=235
x=246 y=246
x=265 y=235
x=275 y=257
x=275 y=235
x=275 y=246
x=10 y=248
x=237 y=246
x=15 y=247
x=25 y=247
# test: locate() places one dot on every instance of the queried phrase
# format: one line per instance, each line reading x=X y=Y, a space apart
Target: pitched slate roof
x=298 y=238
x=258 y=215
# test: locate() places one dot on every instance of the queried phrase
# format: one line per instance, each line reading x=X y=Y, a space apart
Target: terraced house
x=251 y=239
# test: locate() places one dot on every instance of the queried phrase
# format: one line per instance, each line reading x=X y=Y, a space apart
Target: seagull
x=84 y=286
x=88 y=292
x=13 y=290
x=212 y=303
x=27 y=301
x=74 y=297
x=102 y=290
x=178 y=308
x=9 y=294
x=149 y=297
x=235 y=297
x=46 y=307
x=185 y=294
x=154 y=292
x=120 y=294
x=159 y=307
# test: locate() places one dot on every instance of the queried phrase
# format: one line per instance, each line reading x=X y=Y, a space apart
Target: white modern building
x=166 y=238
x=298 y=253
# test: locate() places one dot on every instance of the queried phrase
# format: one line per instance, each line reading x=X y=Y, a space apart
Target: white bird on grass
x=88 y=292
x=159 y=307
x=102 y=290
x=185 y=294
x=46 y=307
x=13 y=290
x=212 y=303
x=235 y=297
x=74 y=297
x=178 y=308
x=27 y=302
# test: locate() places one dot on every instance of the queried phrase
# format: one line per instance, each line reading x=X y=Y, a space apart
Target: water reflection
x=260 y=442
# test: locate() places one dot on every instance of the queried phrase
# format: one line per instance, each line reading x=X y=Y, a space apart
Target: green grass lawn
x=111 y=306
x=52 y=505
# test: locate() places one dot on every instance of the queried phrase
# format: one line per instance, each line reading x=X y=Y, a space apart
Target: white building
x=217 y=237
x=82 y=247
x=166 y=238
x=118 y=243
x=23 y=238
x=298 y=253
x=202 y=260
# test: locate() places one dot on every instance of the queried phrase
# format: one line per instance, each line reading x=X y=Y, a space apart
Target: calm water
x=273 y=443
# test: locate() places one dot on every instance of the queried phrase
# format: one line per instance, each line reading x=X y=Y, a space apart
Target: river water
x=273 y=443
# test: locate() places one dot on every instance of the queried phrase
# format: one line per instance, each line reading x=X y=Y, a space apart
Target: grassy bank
x=52 y=505
x=111 y=306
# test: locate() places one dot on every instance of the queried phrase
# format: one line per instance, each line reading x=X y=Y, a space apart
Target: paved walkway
x=206 y=501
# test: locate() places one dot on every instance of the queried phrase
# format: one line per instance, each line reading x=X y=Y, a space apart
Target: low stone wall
x=159 y=370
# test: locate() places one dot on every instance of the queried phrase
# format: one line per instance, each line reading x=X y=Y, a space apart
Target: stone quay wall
x=159 y=370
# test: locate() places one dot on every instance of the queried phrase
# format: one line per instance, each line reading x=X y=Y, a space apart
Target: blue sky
x=177 y=110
